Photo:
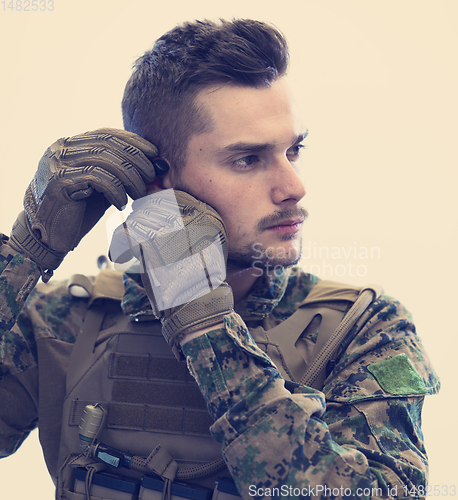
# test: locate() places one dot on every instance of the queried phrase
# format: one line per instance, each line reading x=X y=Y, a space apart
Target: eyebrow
x=259 y=147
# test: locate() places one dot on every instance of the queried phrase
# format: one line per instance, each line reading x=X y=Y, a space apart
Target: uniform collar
x=264 y=296
x=135 y=302
x=266 y=293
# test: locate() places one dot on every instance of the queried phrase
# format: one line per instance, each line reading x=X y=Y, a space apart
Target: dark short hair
x=159 y=101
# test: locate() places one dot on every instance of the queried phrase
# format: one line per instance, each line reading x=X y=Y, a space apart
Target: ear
x=167 y=180
x=161 y=182
x=164 y=181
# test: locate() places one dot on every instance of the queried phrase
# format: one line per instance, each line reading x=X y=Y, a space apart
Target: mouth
x=289 y=226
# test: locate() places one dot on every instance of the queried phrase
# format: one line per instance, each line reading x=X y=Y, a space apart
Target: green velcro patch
x=397 y=375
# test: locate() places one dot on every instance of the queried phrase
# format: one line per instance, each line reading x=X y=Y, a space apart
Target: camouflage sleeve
x=18 y=276
x=363 y=441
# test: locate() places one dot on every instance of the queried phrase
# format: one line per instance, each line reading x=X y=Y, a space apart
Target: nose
x=287 y=186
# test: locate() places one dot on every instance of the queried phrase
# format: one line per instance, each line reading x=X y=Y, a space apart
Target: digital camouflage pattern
x=359 y=438
x=18 y=275
x=361 y=435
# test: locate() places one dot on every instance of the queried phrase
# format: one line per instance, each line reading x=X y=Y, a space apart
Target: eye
x=246 y=162
x=294 y=152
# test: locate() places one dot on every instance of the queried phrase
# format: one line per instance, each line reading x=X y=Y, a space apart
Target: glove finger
x=131 y=240
x=159 y=211
x=80 y=180
x=132 y=237
x=120 y=148
x=109 y=160
x=127 y=143
x=122 y=246
x=146 y=147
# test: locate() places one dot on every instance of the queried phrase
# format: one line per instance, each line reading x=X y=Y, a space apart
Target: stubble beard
x=259 y=256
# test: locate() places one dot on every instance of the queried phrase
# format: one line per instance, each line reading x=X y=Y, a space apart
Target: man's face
x=246 y=168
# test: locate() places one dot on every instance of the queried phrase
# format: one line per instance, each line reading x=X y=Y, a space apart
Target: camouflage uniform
x=358 y=438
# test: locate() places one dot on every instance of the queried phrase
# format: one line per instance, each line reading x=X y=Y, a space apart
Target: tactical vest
x=152 y=406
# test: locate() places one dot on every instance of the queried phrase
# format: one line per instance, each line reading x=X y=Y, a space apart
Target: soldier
x=210 y=155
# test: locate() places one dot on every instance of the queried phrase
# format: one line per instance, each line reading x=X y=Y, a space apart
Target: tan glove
x=182 y=245
x=77 y=179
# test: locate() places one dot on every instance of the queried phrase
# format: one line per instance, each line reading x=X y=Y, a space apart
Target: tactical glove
x=77 y=179
x=181 y=244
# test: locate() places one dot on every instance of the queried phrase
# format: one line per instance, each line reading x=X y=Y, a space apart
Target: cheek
x=238 y=215
x=237 y=203
x=215 y=194
x=229 y=204
x=210 y=192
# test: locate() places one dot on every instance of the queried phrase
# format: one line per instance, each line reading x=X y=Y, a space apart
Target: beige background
x=377 y=84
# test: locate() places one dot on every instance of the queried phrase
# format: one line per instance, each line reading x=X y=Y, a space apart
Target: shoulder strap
x=330 y=301
x=286 y=334
x=327 y=291
x=108 y=284
x=327 y=346
x=85 y=343
x=105 y=293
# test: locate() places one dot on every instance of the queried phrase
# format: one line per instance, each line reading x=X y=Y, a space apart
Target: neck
x=241 y=281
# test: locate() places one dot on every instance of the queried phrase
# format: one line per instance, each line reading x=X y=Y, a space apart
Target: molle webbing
x=179 y=408
x=148 y=392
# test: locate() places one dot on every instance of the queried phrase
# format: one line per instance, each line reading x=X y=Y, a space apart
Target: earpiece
x=161 y=167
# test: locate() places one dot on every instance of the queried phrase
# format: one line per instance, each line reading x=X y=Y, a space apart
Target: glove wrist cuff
x=201 y=313
x=23 y=240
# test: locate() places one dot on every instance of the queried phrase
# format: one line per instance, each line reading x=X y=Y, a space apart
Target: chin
x=265 y=256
